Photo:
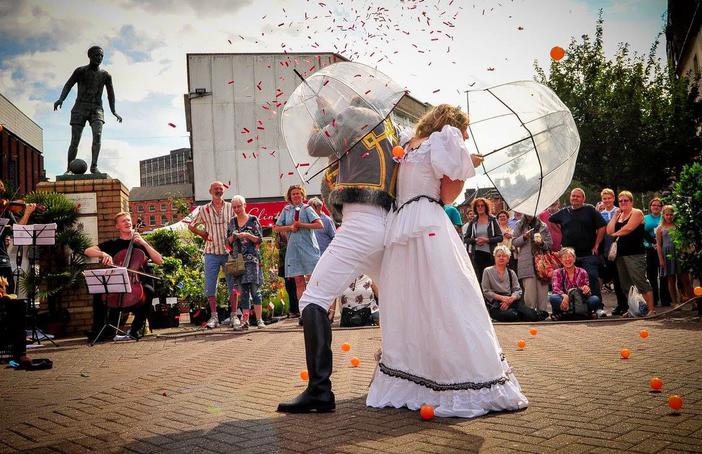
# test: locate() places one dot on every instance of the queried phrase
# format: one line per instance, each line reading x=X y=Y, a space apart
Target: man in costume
x=106 y=251
x=361 y=189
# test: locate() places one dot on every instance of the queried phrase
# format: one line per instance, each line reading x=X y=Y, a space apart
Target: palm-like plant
x=61 y=265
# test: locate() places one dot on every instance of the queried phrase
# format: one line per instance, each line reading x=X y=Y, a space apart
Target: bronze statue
x=88 y=107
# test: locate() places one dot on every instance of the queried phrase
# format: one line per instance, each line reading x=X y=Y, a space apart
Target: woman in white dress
x=439 y=347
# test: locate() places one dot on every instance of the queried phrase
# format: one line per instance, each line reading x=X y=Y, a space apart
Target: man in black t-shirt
x=5 y=233
x=583 y=230
x=106 y=250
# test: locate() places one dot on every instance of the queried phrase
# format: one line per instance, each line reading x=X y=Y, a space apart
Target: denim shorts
x=213 y=263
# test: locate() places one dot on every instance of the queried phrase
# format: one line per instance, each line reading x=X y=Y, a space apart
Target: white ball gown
x=439 y=346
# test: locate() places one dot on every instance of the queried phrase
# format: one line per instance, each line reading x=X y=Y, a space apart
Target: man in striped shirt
x=211 y=224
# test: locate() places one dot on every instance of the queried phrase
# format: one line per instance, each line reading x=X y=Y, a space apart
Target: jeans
x=660 y=292
x=591 y=264
x=481 y=260
x=246 y=290
x=213 y=263
x=593 y=303
x=517 y=311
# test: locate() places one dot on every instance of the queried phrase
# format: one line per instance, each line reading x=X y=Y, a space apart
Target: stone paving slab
x=218 y=393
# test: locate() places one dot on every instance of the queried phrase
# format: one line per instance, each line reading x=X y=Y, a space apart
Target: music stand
x=104 y=281
x=33 y=235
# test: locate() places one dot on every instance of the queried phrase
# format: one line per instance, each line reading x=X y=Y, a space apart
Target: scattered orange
x=675 y=402
x=557 y=53
x=625 y=353
x=345 y=347
x=521 y=343
x=304 y=375
x=656 y=383
x=426 y=412
x=533 y=331
x=698 y=291
x=643 y=333
x=355 y=362
x=398 y=151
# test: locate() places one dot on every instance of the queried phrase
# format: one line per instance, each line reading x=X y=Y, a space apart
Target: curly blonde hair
x=440 y=116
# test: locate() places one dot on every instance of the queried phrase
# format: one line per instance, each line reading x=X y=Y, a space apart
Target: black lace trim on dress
x=441 y=386
x=419 y=197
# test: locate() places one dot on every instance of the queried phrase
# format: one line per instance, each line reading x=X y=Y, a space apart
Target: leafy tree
x=637 y=121
x=686 y=196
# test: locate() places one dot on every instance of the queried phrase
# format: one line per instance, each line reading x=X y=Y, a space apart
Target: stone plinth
x=99 y=200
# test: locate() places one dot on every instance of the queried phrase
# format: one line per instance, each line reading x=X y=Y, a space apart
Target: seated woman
x=566 y=279
x=503 y=295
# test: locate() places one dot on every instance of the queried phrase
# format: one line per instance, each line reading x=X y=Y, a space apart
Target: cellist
x=106 y=250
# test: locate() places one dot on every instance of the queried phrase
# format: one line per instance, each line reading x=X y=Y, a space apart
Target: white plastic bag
x=637 y=304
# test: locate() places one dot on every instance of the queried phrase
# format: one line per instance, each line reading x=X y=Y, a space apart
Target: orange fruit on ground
x=557 y=53
x=625 y=353
x=521 y=343
x=345 y=347
x=533 y=331
x=304 y=375
x=426 y=412
x=656 y=383
x=398 y=151
x=698 y=291
x=355 y=362
x=643 y=333
x=675 y=402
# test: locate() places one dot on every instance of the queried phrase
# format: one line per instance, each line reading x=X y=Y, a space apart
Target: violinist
x=6 y=231
x=106 y=251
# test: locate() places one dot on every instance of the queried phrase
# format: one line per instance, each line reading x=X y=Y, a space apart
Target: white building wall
x=256 y=163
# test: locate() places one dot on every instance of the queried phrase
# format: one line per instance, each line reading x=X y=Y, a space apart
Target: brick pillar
x=100 y=200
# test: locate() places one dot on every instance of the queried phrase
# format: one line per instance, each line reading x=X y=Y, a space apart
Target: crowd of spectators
x=610 y=245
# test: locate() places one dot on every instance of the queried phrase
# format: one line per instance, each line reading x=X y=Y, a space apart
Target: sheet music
x=108 y=280
x=34 y=234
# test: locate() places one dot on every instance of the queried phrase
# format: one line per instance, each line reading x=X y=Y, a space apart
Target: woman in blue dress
x=244 y=235
x=298 y=220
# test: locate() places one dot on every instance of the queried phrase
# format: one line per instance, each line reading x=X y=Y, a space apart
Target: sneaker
x=260 y=324
x=226 y=322
x=601 y=313
x=236 y=324
x=213 y=322
x=121 y=337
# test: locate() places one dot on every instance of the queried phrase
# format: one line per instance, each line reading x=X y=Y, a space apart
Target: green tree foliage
x=637 y=121
x=686 y=197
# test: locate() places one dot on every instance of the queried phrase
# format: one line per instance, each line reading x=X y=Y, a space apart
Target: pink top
x=554 y=230
x=560 y=283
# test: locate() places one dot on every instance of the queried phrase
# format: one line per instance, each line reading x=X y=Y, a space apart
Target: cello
x=134 y=260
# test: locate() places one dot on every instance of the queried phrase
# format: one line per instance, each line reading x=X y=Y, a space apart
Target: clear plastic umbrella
x=332 y=110
x=529 y=141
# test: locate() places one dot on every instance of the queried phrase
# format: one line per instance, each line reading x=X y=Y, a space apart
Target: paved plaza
x=218 y=393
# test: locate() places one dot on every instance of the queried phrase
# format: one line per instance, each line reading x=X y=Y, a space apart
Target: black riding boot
x=318 y=396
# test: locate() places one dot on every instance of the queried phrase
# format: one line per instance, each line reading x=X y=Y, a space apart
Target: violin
x=134 y=260
x=16 y=206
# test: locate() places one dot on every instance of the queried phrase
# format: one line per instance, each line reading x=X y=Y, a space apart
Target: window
x=152 y=220
x=152 y=208
x=164 y=220
x=164 y=207
x=140 y=209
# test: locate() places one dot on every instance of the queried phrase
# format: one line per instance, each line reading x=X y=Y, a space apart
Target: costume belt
x=417 y=198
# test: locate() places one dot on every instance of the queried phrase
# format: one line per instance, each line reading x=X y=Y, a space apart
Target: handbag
x=612 y=254
x=544 y=264
x=235 y=266
x=356 y=317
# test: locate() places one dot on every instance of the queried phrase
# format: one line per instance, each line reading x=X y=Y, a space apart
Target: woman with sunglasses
x=627 y=228
x=482 y=235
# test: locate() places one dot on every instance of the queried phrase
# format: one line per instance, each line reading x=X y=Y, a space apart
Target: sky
x=437 y=49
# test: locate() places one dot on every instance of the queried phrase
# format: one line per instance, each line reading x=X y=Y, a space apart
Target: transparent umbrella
x=332 y=110
x=529 y=141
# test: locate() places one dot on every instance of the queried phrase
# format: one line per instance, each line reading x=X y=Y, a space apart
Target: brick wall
x=112 y=196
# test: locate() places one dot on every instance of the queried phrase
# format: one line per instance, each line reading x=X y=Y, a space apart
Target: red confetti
x=326 y=133
x=244 y=154
x=432 y=234
x=230 y=82
x=304 y=164
x=367 y=92
x=172 y=125
x=437 y=90
x=245 y=130
x=291 y=173
x=249 y=140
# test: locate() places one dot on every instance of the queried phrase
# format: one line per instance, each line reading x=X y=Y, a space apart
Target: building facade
x=683 y=37
x=152 y=207
x=231 y=111
x=173 y=168
x=21 y=149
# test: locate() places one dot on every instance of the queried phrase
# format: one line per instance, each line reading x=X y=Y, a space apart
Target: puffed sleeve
x=404 y=135
x=449 y=155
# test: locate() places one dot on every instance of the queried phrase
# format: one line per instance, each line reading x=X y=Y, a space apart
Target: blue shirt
x=325 y=234
x=453 y=214
x=650 y=224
